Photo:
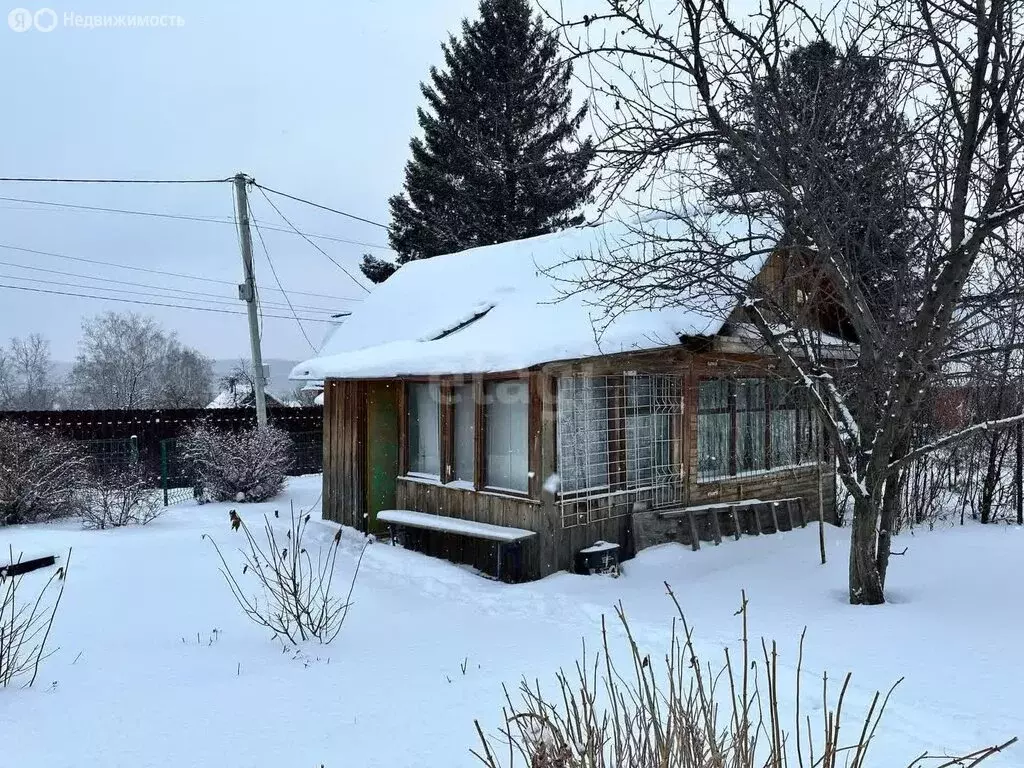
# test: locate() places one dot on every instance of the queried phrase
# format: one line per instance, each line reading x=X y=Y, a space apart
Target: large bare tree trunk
x=867 y=583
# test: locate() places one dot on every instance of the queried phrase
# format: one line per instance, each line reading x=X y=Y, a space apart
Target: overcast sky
x=317 y=99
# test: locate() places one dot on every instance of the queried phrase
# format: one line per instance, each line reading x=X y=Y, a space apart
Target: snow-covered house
x=239 y=394
x=471 y=387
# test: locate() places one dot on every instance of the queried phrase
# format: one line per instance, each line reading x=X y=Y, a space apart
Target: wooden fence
x=153 y=428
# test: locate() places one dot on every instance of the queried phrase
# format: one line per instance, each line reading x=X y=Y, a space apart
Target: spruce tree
x=499 y=158
x=836 y=107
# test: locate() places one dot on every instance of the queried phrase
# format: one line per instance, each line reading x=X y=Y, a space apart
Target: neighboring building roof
x=512 y=306
x=242 y=396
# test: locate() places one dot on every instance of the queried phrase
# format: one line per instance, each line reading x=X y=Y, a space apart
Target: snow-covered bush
x=42 y=476
x=26 y=620
x=627 y=708
x=121 y=496
x=246 y=466
x=280 y=587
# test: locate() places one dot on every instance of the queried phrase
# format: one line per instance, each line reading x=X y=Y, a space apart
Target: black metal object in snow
x=603 y=557
x=27 y=566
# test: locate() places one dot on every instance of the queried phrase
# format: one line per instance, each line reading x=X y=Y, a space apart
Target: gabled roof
x=505 y=307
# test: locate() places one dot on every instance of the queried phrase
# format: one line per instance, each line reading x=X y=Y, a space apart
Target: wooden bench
x=506 y=539
x=791 y=507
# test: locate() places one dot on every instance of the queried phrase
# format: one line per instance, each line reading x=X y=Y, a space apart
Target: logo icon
x=45 y=19
x=20 y=20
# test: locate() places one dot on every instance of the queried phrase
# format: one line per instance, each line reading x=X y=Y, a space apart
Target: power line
x=38 y=179
x=325 y=253
x=145 y=303
x=183 y=217
x=204 y=296
x=273 y=271
x=223 y=302
x=264 y=190
x=156 y=271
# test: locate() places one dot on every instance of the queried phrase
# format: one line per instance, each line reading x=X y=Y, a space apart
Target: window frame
x=618 y=434
x=804 y=455
x=447 y=477
x=406 y=447
x=481 y=470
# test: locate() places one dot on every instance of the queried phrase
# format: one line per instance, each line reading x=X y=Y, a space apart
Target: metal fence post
x=163 y=469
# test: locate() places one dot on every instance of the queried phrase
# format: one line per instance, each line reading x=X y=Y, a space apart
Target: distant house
x=470 y=387
x=239 y=394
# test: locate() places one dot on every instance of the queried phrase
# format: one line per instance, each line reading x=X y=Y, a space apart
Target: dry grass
x=281 y=587
x=683 y=712
x=26 y=618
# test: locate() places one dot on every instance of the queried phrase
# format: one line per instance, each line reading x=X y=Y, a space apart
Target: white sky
x=317 y=99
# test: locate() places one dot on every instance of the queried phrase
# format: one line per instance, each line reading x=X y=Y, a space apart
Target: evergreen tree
x=836 y=108
x=499 y=159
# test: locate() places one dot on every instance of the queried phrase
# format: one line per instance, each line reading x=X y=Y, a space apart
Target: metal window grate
x=618 y=444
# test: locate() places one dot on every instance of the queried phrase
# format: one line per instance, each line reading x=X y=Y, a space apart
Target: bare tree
x=128 y=361
x=679 y=85
x=26 y=375
x=186 y=379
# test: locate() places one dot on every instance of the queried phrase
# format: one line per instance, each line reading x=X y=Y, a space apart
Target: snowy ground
x=132 y=686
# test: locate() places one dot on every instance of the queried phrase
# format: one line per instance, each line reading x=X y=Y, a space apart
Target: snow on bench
x=454 y=525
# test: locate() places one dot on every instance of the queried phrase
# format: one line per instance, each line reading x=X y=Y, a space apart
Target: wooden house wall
x=789 y=482
x=555 y=547
x=344 y=452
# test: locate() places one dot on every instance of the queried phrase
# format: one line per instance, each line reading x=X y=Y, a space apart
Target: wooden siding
x=437 y=499
x=555 y=547
x=344 y=452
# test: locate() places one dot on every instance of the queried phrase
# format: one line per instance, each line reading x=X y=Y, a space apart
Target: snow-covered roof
x=505 y=307
x=228 y=399
x=242 y=396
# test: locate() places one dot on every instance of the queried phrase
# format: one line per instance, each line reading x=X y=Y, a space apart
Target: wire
x=181 y=216
x=317 y=205
x=204 y=297
x=325 y=253
x=38 y=179
x=146 y=303
x=157 y=271
x=273 y=271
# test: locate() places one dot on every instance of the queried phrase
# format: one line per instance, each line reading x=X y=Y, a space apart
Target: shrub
x=247 y=466
x=42 y=476
x=684 y=713
x=290 y=595
x=25 y=623
x=121 y=496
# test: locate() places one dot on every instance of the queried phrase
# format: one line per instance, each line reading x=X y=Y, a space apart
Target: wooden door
x=382 y=415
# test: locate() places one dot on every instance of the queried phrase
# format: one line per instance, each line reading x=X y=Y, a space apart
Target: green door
x=381 y=448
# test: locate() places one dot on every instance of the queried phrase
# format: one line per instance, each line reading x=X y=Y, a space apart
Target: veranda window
x=583 y=432
x=507 y=435
x=616 y=443
x=463 y=432
x=714 y=429
x=424 y=420
x=751 y=415
x=652 y=405
x=748 y=425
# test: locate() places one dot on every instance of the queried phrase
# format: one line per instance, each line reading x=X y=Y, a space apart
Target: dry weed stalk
x=25 y=625
x=295 y=597
x=682 y=713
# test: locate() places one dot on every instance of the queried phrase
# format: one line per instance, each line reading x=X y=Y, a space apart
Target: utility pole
x=247 y=293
